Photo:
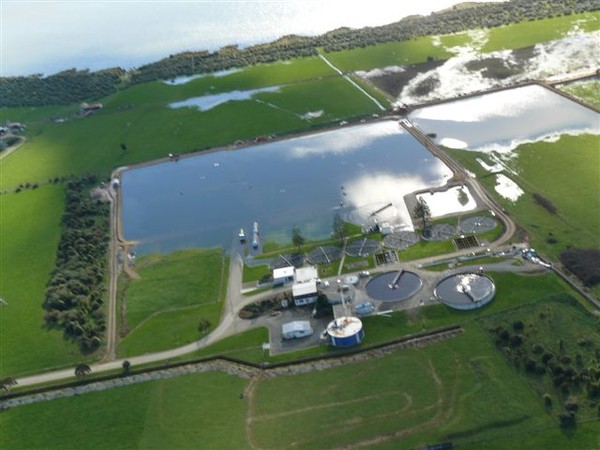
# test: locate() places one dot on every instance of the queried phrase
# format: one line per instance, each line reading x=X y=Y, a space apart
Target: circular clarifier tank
x=394 y=286
x=465 y=290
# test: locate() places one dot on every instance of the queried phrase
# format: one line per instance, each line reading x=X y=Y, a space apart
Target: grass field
x=164 y=307
x=387 y=54
x=525 y=34
x=575 y=349
x=29 y=235
x=513 y=36
x=175 y=413
x=559 y=171
x=141 y=119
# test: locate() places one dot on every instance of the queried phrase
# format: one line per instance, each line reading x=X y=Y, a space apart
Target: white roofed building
x=283 y=275
x=305 y=293
x=304 y=274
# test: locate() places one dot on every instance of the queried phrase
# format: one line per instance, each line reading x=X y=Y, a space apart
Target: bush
x=545 y=203
x=583 y=263
x=566 y=420
x=518 y=325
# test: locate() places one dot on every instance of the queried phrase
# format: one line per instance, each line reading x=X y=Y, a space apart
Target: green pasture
x=193 y=411
x=565 y=172
x=29 y=235
x=418 y=50
x=152 y=130
x=159 y=93
x=387 y=54
x=525 y=34
x=175 y=291
x=586 y=91
x=564 y=329
x=456 y=390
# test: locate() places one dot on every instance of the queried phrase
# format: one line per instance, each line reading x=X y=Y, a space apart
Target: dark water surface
x=203 y=201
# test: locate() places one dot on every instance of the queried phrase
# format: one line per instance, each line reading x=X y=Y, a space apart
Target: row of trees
x=71 y=86
x=75 y=292
x=76 y=86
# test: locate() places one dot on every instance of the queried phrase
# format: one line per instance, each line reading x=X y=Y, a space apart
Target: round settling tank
x=345 y=331
x=394 y=286
x=465 y=290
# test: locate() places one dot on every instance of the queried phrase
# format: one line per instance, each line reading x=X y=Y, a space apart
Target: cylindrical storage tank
x=345 y=331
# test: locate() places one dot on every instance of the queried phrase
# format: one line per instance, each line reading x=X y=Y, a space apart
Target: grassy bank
x=174 y=294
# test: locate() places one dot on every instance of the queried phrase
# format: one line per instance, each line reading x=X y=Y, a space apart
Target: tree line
x=74 y=86
x=75 y=292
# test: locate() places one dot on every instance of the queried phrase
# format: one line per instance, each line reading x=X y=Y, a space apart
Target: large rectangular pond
x=501 y=121
x=203 y=201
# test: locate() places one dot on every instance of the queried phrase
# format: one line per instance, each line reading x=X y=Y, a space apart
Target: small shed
x=283 y=275
x=296 y=329
x=305 y=293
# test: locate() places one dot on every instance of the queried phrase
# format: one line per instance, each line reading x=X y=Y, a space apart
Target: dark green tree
x=422 y=211
x=81 y=370
x=339 y=230
x=297 y=238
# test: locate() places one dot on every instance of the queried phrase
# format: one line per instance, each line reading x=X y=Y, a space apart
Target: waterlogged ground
x=498 y=123
x=472 y=70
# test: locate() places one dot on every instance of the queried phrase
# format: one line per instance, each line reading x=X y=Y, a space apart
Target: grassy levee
x=513 y=36
x=175 y=292
x=29 y=235
x=586 y=91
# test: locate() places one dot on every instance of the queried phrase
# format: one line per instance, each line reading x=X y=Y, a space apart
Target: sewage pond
x=204 y=200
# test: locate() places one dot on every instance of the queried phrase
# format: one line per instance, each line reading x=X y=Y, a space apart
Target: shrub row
x=75 y=292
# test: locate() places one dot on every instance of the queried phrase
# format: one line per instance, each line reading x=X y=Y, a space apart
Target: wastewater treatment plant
x=412 y=267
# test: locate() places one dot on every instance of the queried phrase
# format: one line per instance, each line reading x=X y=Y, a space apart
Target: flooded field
x=203 y=201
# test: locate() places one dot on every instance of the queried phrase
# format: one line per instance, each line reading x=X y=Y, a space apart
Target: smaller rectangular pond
x=501 y=121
